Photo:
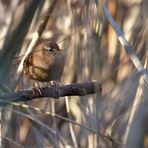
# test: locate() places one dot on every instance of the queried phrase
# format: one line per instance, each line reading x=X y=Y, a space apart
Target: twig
x=40 y=124
x=55 y=92
x=129 y=49
x=46 y=18
x=38 y=110
x=37 y=35
x=12 y=142
x=106 y=136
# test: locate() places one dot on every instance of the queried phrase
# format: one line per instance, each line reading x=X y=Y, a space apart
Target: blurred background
x=93 y=53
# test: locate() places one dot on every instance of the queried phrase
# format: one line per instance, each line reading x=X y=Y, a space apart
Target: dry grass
x=93 y=53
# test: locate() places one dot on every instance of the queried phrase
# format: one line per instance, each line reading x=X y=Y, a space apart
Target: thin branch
x=38 y=110
x=129 y=49
x=39 y=123
x=34 y=119
x=37 y=34
x=107 y=136
x=53 y=91
x=15 y=39
x=46 y=18
x=12 y=141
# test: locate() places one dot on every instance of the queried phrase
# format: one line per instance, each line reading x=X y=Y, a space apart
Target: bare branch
x=53 y=91
x=37 y=34
x=129 y=49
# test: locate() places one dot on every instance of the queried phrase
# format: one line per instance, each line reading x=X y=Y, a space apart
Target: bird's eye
x=50 y=49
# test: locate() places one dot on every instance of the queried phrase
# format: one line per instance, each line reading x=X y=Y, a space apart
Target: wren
x=45 y=63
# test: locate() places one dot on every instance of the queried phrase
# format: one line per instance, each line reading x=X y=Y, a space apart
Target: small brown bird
x=45 y=63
